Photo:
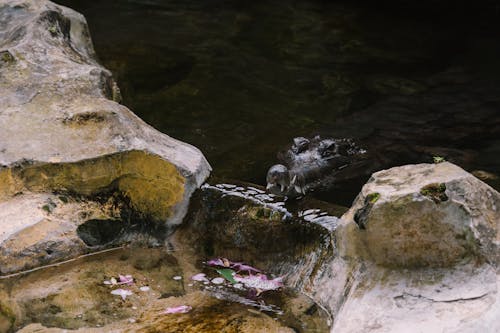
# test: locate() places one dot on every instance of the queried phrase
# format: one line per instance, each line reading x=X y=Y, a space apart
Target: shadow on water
x=239 y=79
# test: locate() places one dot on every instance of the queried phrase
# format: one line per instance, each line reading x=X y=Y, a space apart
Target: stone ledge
x=62 y=131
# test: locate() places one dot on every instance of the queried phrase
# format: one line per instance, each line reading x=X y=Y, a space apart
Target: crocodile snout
x=278 y=179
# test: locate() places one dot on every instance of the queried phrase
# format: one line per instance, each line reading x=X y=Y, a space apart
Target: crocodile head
x=310 y=164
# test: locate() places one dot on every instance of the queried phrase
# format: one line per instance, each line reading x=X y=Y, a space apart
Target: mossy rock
x=6 y=58
x=435 y=192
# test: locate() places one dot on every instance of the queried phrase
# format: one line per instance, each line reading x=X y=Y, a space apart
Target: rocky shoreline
x=419 y=250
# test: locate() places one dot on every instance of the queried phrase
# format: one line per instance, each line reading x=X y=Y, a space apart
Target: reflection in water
x=79 y=294
x=278 y=204
x=241 y=79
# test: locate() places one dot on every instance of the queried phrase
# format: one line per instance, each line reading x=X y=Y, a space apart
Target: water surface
x=240 y=79
x=75 y=296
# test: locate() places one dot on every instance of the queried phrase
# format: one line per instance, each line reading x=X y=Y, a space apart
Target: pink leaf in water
x=125 y=279
x=122 y=292
x=241 y=267
x=199 y=277
x=215 y=262
x=223 y=262
x=178 y=309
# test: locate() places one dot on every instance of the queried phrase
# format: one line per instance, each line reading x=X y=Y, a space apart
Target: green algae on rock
x=436 y=192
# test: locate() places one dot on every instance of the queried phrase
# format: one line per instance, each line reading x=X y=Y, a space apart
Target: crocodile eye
x=327 y=147
x=300 y=144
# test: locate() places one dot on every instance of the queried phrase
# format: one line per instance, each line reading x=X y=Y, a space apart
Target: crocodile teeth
x=283 y=187
x=299 y=189
x=294 y=179
x=269 y=185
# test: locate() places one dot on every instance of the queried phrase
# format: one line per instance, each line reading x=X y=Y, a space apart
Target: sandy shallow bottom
x=74 y=296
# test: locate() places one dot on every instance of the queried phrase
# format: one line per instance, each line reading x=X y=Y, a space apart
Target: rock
x=461 y=299
x=427 y=215
x=46 y=228
x=239 y=223
x=422 y=246
x=62 y=131
x=296 y=240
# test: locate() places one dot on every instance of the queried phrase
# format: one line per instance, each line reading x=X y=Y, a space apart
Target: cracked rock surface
x=63 y=131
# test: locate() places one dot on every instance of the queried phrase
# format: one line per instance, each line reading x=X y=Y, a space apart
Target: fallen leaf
x=125 y=279
x=218 y=280
x=177 y=309
x=227 y=274
x=199 y=277
x=241 y=267
x=122 y=292
x=215 y=262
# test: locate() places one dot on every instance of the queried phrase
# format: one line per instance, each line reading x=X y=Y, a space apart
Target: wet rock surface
x=62 y=131
x=38 y=229
x=417 y=251
x=293 y=239
x=243 y=222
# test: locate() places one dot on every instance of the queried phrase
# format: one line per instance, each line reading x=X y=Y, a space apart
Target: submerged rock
x=229 y=221
x=62 y=131
x=293 y=240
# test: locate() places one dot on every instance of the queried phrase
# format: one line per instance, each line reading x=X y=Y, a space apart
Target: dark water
x=240 y=79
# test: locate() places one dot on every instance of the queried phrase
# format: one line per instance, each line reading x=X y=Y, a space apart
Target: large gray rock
x=426 y=215
x=422 y=246
x=62 y=130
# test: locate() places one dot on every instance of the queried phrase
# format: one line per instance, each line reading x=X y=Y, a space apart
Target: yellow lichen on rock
x=8 y=184
x=151 y=184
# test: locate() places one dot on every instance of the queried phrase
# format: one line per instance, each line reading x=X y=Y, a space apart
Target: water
x=240 y=79
x=74 y=296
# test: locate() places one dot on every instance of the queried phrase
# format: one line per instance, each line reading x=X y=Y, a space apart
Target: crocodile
x=311 y=164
